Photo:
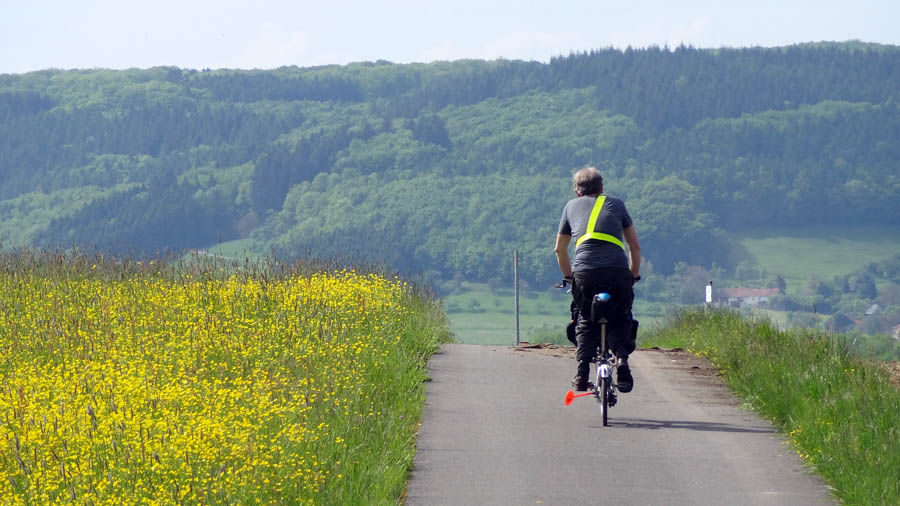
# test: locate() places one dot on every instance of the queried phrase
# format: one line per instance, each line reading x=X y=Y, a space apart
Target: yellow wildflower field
x=181 y=389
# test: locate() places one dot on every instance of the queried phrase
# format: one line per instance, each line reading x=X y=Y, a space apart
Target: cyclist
x=600 y=265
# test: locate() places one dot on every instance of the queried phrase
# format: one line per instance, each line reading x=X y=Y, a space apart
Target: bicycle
x=605 y=386
x=605 y=391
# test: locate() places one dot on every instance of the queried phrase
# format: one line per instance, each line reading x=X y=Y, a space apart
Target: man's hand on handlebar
x=566 y=281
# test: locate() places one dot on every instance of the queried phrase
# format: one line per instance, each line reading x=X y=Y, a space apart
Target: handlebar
x=562 y=284
x=568 y=281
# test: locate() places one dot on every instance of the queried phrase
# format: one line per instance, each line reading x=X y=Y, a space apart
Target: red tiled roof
x=741 y=293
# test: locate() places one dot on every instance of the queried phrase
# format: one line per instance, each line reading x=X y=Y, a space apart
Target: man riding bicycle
x=599 y=224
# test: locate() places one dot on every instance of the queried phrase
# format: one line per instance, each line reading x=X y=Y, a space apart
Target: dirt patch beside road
x=893 y=369
x=696 y=365
x=552 y=350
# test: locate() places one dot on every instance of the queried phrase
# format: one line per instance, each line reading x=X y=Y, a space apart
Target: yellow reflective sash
x=592 y=221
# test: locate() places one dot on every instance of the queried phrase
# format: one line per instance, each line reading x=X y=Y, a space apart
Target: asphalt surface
x=496 y=432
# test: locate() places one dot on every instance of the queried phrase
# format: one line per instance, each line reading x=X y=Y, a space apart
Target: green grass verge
x=382 y=454
x=841 y=415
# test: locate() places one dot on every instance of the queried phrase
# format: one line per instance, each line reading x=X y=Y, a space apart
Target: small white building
x=873 y=309
x=747 y=296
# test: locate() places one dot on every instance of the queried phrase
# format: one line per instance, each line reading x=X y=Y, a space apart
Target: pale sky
x=39 y=34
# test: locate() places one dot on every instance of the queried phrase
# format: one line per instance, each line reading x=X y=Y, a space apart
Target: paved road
x=496 y=432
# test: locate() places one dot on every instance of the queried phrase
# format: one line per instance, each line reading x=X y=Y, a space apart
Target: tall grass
x=128 y=381
x=841 y=414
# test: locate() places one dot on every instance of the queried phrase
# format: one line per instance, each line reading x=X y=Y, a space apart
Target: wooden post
x=516 y=289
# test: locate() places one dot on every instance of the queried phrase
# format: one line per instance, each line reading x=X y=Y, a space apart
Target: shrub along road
x=495 y=431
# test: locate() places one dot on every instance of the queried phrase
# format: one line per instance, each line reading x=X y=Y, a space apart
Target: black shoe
x=624 y=380
x=580 y=383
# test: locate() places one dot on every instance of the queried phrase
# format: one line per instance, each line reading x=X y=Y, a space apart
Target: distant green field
x=237 y=249
x=826 y=251
x=478 y=316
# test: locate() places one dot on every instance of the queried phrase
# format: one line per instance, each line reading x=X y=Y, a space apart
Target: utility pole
x=516 y=289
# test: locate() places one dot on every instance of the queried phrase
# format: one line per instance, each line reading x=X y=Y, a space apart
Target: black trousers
x=618 y=283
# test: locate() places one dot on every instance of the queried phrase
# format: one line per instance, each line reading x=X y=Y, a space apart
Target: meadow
x=818 y=250
x=479 y=315
x=146 y=382
x=840 y=414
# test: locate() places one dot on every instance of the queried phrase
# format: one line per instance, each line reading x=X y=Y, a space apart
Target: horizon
x=232 y=34
x=664 y=47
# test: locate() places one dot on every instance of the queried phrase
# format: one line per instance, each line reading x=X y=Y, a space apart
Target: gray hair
x=587 y=181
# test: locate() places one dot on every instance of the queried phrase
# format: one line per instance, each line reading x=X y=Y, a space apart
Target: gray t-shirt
x=593 y=253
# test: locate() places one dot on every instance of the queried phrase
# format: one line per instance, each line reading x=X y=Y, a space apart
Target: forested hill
x=447 y=167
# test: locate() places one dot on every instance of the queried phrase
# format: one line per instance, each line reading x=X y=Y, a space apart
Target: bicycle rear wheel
x=604 y=374
x=604 y=400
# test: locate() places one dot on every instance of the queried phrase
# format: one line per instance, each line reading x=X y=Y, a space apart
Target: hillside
x=444 y=168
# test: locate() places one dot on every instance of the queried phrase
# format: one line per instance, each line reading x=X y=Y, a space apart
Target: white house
x=747 y=296
x=873 y=309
